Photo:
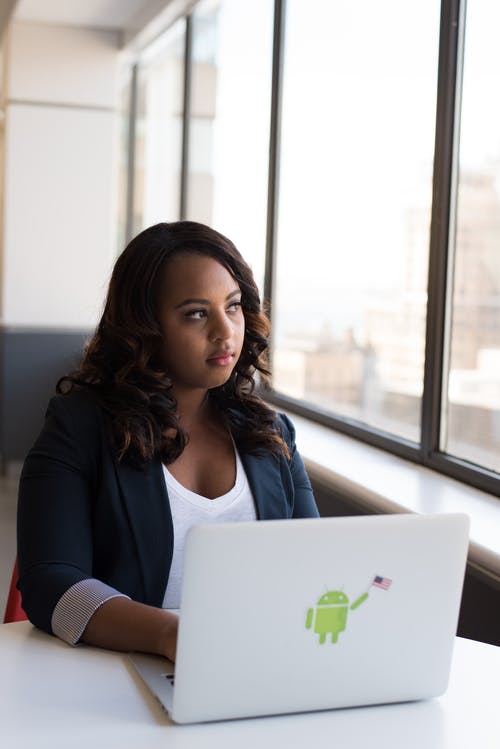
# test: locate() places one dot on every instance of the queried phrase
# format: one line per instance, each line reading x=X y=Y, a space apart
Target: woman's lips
x=221 y=360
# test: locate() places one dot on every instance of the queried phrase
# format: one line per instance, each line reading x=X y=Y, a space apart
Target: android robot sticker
x=330 y=615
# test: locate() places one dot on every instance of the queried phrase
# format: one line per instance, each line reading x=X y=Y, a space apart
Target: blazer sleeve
x=56 y=493
x=304 y=505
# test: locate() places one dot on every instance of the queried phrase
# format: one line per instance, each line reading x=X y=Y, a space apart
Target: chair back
x=14 y=611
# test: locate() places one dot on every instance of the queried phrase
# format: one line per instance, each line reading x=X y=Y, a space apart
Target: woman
x=158 y=429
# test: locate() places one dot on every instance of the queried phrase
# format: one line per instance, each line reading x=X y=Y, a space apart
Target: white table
x=54 y=697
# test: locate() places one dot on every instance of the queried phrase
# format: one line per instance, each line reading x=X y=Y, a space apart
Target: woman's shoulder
x=78 y=401
x=78 y=408
x=72 y=435
x=285 y=424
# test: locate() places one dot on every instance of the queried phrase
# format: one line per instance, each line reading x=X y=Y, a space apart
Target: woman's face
x=201 y=320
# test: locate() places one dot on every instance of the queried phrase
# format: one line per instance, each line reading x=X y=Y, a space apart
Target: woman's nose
x=221 y=328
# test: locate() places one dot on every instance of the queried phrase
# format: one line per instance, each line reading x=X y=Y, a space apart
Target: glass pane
x=229 y=126
x=3 y=72
x=472 y=392
x=123 y=122
x=158 y=146
x=3 y=105
x=355 y=197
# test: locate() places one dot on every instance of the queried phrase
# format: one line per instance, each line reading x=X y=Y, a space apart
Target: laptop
x=287 y=616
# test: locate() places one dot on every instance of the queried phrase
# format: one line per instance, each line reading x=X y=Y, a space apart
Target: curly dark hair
x=122 y=363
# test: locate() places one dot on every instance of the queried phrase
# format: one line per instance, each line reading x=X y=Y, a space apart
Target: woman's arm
x=54 y=514
x=122 y=624
x=56 y=542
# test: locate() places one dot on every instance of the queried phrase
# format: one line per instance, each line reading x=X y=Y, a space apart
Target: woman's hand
x=167 y=643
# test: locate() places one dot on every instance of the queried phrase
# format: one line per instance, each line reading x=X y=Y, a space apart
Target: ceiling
x=138 y=21
x=105 y=14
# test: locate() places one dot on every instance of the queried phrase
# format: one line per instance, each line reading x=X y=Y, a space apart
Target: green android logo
x=330 y=615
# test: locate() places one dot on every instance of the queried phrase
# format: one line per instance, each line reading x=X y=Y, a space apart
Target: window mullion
x=444 y=191
x=186 y=116
x=274 y=150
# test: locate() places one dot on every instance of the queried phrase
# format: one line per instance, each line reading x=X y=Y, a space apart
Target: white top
x=189 y=508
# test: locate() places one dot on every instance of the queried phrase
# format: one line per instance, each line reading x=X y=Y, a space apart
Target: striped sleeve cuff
x=76 y=606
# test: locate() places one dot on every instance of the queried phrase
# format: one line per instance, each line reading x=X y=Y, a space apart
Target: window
x=125 y=93
x=471 y=419
x=229 y=122
x=3 y=107
x=355 y=191
x=158 y=130
x=352 y=151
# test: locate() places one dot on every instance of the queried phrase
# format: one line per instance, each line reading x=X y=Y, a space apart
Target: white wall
x=59 y=241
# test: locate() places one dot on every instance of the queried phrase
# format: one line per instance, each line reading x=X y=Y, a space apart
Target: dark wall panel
x=31 y=362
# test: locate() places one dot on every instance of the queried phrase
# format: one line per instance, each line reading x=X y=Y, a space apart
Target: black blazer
x=82 y=514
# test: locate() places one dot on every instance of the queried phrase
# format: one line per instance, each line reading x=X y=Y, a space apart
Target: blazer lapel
x=266 y=483
x=145 y=498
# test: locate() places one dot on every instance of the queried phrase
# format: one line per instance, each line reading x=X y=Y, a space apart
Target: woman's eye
x=234 y=307
x=196 y=314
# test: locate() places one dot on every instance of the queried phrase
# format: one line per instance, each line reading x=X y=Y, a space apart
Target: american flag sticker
x=381 y=582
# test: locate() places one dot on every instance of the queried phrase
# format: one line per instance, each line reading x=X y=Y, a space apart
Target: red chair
x=14 y=611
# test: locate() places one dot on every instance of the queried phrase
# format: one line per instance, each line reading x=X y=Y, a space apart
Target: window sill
x=381 y=482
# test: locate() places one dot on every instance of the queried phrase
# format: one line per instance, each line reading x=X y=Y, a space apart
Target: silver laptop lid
x=297 y=615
